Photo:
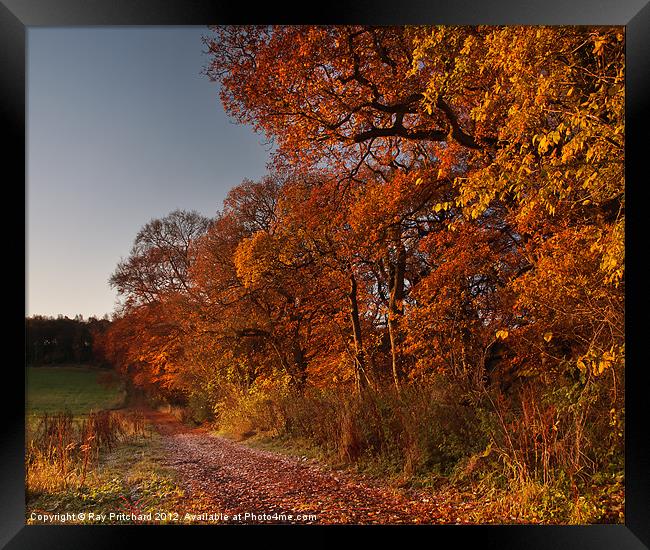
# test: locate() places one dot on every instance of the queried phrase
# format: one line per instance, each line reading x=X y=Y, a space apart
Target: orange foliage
x=444 y=200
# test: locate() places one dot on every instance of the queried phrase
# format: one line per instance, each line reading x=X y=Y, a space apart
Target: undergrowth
x=106 y=463
x=531 y=457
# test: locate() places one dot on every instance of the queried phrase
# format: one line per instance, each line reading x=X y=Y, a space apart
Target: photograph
x=325 y=274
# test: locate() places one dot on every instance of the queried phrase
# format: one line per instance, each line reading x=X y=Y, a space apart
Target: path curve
x=224 y=477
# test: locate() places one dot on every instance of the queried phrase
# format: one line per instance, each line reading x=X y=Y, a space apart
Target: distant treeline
x=60 y=340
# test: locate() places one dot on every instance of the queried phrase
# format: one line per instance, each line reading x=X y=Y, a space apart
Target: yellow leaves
x=615 y=420
x=611 y=246
x=589 y=157
x=556 y=135
x=443 y=206
x=467 y=46
x=540 y=140
x=525 y=170
x=546 y=141
x=542 y=143
x=599 y=44
x=487 y=450
x=502 y=334
x=595 y=362
x=609 y=356
x=253 y=258
x=548 y=336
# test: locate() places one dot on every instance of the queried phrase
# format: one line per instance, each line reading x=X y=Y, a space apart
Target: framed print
x=368 y=269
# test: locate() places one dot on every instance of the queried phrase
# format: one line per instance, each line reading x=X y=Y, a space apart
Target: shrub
x=61 y=450
x=412 y=432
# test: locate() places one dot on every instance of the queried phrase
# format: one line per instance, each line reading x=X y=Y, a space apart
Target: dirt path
x=221 y=476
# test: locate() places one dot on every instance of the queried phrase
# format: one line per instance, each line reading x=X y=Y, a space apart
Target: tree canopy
x=444 y=201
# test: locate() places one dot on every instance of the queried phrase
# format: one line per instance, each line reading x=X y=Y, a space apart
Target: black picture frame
x=17 y=15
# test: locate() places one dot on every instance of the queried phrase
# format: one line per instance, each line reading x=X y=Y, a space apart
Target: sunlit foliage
x=444 y=202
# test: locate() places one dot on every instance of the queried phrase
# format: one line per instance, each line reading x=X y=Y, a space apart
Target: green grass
x=77 y=388
x=132 y=477
x=132 y=472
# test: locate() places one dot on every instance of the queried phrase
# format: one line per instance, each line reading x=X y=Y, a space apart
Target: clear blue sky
x=122 y=127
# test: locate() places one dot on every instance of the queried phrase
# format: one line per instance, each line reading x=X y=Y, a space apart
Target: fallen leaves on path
x=225 y=478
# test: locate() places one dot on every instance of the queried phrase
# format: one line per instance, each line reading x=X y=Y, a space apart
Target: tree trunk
x=360 y=375
x=396 y=302
x=294 y=364
x=299 y=375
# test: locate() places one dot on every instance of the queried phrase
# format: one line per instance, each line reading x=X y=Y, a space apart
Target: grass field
x=133 y=472
x=77 y=388
x=118 y=477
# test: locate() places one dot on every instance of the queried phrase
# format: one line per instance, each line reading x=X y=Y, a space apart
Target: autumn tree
x=147 y=340
x=553 y=98
x=446 y=209
x=159 y=260
x=317 y=221
x=262 y=281
x=500 y=120
x=347 y=95
x=233 y=310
